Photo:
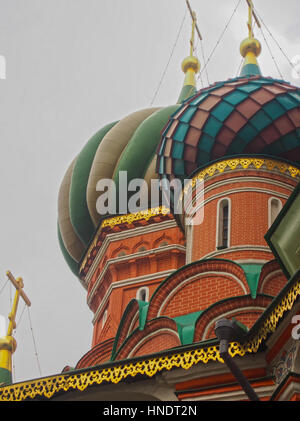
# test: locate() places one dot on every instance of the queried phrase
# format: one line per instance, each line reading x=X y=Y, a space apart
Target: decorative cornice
x=124 y=235
x=145 y=215
x=131 y=217
x=116 y=372
x=244 y=163
x=129 y=257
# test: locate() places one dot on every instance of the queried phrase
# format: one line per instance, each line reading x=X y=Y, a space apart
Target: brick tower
x=153 y=281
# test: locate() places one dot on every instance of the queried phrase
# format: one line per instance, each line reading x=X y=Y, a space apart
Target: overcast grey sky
x=72 y=67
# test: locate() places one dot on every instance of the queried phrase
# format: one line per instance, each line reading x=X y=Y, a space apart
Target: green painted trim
x=113 y=357
x=5 y=377
x=186 y=92
x=259 y=322
x=141 y=148
x=275 y=225
x=250 y=70
x=79 y=212
x=123 y=318
x=186 y=326
x=73 y=265
x=143 y=311
x=252 y=273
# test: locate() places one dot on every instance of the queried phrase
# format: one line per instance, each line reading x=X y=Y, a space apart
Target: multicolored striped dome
x=250 y=115
x=127 y=145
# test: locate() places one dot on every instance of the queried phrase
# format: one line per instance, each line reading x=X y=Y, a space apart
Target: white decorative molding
x=232 y=249
x=270 y=218
x=219 y=221
x=270 y=275
x=160 y=331
x=213 y=321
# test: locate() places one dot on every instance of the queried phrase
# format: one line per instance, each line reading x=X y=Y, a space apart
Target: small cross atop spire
x=8 y=343
x=190 y=65
x=250 y=48
x=252 y=15
x=193 y=34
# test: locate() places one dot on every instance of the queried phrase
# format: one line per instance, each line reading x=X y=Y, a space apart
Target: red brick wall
x=200 y=293
x=129 y=269
x=159 y=342
x=248 y=318
x=249 y=213
x=274 y=284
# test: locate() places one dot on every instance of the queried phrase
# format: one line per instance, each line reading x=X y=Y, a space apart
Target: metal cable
x=2 y=289
x=270 y=51
x=20 y=318
x=221 y=36
x=34 y=343
x=277 y=43
x=170 y=58
x=203 y=56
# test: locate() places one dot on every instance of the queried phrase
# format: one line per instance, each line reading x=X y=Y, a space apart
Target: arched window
x=275 y=206
x=143 y=294
x=223 y=224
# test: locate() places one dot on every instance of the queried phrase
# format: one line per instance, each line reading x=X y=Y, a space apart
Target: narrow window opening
x=275 y=207
x=142 y=294
x=223 y=225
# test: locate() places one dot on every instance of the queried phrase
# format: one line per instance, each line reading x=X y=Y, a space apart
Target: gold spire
x=250 y=48
x=8 y=343
x=190 y=65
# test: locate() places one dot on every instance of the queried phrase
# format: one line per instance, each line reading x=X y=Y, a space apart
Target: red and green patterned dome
x=251 y=115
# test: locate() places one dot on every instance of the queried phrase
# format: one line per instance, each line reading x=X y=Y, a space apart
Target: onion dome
x=251 y=115
x=126 y=145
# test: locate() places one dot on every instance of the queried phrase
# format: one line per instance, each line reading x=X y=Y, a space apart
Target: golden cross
x=252 y=15
x=195 y=26
x=193 y=33
x=18 y=284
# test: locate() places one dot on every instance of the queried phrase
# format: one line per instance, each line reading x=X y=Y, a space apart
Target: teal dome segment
x=255 y=115
x=79 y=213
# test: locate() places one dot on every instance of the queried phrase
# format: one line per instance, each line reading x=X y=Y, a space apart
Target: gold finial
x=250 y=47
x=250 y=44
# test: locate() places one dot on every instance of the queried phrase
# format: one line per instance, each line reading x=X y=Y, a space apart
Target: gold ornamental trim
x=124 y=219
x=243 y=163
x=131 y=217
x=47 y=387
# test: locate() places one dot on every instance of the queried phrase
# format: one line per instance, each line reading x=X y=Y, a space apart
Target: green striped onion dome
x=127 y=145
x=246 y=115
